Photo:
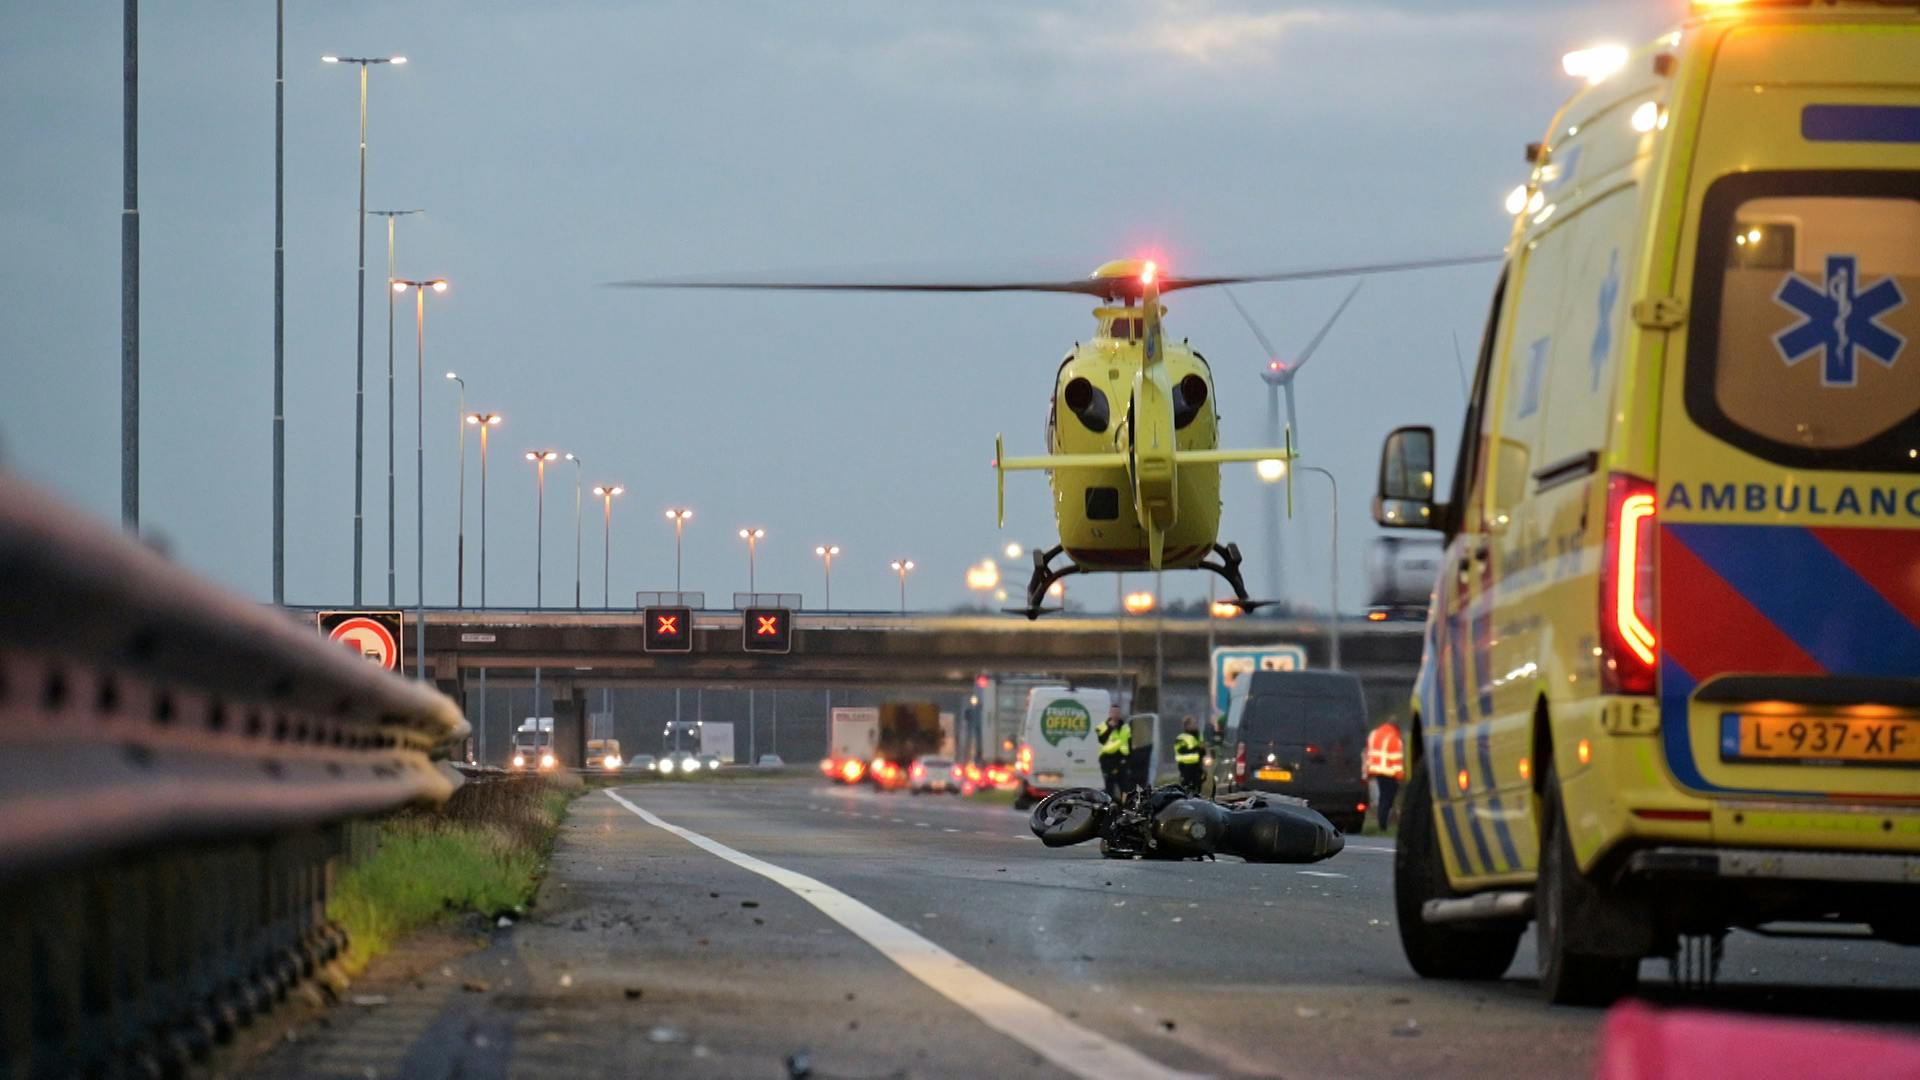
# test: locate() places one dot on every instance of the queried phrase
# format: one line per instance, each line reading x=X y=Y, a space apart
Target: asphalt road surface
x=714 y=929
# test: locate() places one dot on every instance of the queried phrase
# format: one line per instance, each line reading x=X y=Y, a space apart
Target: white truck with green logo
x=1059 y=741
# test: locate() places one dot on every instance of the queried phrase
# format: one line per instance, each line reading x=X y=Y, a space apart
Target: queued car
x=708 y=762
x=679 y=763
x=643 y=763
x=930 y=774
x=603 y=754
x=886 y=775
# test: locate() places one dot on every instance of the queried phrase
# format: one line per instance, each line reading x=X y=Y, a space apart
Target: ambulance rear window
x=1804 y=345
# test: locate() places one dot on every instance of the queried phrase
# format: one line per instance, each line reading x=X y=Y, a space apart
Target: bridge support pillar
x=570 y=726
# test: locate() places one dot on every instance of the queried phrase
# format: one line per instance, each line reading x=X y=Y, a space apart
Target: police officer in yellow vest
x=1116 y=746
x=1187 y=749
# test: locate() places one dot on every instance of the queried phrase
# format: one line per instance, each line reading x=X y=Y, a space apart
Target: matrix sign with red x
x=766 y=629
x=669 y=629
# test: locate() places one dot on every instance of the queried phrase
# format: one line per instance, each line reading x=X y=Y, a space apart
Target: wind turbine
x=1279 y=375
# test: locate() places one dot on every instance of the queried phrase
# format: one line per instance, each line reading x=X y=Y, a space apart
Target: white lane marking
x=921 y=825
x=1319 y=873
x=949 y=830
x=1370 y=850
x=1069 y=1046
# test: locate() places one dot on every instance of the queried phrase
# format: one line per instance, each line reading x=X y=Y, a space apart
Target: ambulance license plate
x=1846 y=740
x=1282 y=775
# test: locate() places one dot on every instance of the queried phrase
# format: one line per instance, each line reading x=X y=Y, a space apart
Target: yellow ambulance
x=1671 y=684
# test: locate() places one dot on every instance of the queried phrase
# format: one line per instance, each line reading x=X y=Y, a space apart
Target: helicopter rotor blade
x=1107 y=288
x=1170 y=283
x=1088 y=287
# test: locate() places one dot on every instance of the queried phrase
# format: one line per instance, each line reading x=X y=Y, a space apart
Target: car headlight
x=613 y=761
x=546 y=761
x=713 y=764
x=519 y=761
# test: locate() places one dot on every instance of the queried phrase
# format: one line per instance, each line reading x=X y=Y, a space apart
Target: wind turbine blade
x=1258 y=334
x=1459 y=366
x=1307 y=353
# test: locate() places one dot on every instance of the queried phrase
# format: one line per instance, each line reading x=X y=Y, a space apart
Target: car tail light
x=919 y=771
x=1240 y=763
x=826 y=766
x=957 y=772
x=852 y=770
x=1024 y=762
x=1629 y=655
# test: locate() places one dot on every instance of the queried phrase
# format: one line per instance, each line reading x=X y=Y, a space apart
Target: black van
x=1299 y=733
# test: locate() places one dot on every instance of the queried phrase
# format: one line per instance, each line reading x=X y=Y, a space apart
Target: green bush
x=482 y=852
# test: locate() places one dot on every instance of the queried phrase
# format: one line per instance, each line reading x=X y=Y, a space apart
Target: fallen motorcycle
x=1169 y=823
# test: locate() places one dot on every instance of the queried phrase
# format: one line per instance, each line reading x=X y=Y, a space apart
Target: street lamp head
x=329 y=59
x=399 y=286
x=486 y=418
x=827 y=549
x=753 y=534
x=1014 y=551
x=902 y=565
x=455 y=377
x=1271 y=470
x=571 y=457
x=543 y=455
x=440 y=285
x=399 y=60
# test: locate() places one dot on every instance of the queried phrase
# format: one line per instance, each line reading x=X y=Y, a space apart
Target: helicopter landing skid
x=1044 y=575
x=1229 y=569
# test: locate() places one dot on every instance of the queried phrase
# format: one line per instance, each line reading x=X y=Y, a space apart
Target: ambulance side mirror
x=1404 y=496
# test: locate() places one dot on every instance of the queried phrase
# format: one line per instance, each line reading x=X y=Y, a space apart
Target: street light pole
x=360 y=326
x=420 y=288
x=753 y=537
x=606 y=493
x=1333 y=617
x=483 y=421
x=392 y=275
x=540 y=459
x=279 y=302
x=130 y=267
x=460 y=547
x=575 y=458
x=679 y=516
x=901 y=566
x=827 y=552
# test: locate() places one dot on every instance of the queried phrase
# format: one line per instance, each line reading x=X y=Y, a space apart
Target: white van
x=1059 y=747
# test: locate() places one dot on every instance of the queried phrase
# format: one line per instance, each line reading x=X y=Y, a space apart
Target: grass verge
x=482 y=852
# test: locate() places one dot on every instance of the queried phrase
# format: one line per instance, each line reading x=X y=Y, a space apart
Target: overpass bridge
x=580 y=654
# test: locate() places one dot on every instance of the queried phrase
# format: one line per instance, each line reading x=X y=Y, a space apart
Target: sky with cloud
x=558 y=146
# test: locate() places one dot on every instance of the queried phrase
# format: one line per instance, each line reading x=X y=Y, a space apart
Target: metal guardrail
x=180 y=769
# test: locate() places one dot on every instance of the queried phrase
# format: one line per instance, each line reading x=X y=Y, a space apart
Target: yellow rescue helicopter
x=1133 y=451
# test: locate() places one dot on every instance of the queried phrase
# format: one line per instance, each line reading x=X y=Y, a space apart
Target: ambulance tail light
x=1629 y=654
x=1239 y=763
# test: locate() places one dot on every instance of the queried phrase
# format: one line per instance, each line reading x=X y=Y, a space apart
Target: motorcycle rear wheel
x=1068 y=817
